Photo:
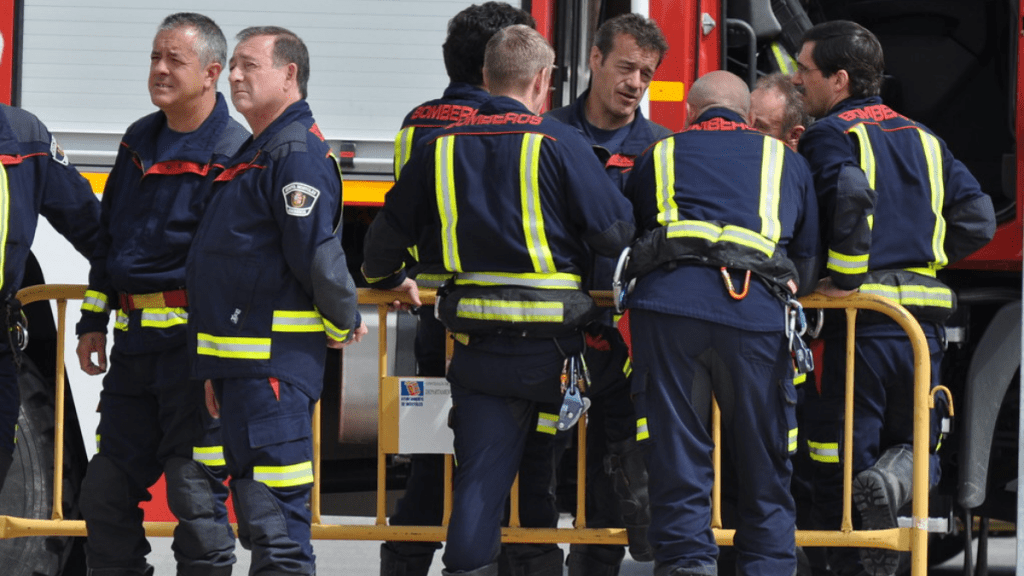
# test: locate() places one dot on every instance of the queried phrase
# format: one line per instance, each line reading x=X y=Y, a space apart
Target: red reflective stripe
x=8 y=160
x=620 y=161
x=175 y=167
x=235 y=170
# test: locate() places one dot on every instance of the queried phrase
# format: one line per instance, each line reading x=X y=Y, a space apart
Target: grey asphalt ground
x=357 y=558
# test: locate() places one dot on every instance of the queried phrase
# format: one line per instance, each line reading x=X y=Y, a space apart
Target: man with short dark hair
x=896 y=209
x=509 y=204
x=36 y=178
x=776 y=108
x=151 y=413
x=626 y=53
x=270 y=291
x=702 y=326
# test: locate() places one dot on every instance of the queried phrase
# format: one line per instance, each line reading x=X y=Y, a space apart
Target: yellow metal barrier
x=913 y=539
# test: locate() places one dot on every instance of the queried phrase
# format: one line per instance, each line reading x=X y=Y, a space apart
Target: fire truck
x=954 y=65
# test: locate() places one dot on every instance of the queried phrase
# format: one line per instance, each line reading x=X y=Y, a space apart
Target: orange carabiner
x=728 y=284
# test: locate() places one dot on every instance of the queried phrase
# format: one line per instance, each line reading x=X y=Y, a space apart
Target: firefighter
x=626 y=53
x=508 y=202
x=422 y=504
x=270 y=291
x=693 y=265
x=35 y=178
x=897 y=207
x=151 y=412
x=777 y=109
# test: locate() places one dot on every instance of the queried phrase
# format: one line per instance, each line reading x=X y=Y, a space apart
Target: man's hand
x=212 y=406
x=357 y=336
x=89 y=343
x=409 y=287
x=827 y=288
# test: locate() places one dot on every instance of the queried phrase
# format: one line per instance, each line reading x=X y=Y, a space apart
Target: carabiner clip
x=728 y=284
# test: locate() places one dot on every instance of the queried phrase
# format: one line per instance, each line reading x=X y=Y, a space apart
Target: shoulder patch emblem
x=299 y=198
x=57 y=152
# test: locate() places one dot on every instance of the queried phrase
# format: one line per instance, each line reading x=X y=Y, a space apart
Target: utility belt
x=170 y=299
x=513 y=305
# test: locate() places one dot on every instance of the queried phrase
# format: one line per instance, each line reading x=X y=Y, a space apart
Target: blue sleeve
x=968 y=211
x=596 y=204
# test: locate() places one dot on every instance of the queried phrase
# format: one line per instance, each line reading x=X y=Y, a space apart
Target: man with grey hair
x=35 y=178
x=271 y=292
x=152 y=420
x=777 y=109
x=523 y=201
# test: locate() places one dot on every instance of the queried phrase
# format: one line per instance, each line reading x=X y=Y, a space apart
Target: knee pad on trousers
x=399 y=560
x=263 y=528
x=594 y=560
x=110 y=505
x=489 y=570
x=625 y=464
x=533 y=559
x=203 y=540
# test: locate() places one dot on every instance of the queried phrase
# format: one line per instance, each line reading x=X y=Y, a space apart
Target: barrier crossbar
x=913 y=539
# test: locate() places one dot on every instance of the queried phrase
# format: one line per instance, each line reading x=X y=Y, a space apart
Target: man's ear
x=211 y=74
x=793 y=138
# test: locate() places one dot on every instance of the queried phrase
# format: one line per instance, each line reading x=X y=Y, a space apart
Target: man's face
x=767 y=110
x=815 y=88
x=176 y=77
x=619 y=81
x=258 y=89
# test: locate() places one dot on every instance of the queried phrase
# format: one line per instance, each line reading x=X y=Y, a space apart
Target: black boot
x=625 y=464
x=489 y=570
x=878 y=493
x=534 y=559
x=585 y=560
x=394 y=563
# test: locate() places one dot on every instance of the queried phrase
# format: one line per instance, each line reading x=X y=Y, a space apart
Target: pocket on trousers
x=278 y=430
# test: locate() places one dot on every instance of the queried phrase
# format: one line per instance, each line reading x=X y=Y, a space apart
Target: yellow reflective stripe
x=799 y=379
x=642 y=433
x=209 y=455
x=95 y=301
x=431 y=280
x=825 y=452
x=284 y=476
x=867 y=154
x=555 y=281
x=713 y=233
x=121 y=320
x=333 y=332
x=509 y=310
x=403 y=148
x=785 y=62
x=444 y=184
x=665 y=180
x=546 y=423
x=233 y=347
x=933 y=154
x=5 y=217
x=792 y=440
x=912 y=295
x=372 y=280
x=297 y=321
x=846 y=264
x=772 y=158
x=163 y=317
x=627 y=368
x=529 y=198
x=930 y=272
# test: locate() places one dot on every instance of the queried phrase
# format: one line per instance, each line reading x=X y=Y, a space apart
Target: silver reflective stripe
x=403 y=148
x=284 y=476
x=551 y=281
x=163 y=317
x=444 y=183
x=509 y=310
x=95 y=302
x=5 y=217
x=229 y=347
x=912 y=295
x=665 y=180
x=431 y=280
x=642 y=433
x=209 y=455
x=713 y=233
x=771 y=182
x=533 y=215
x=546 y=423
x=826 y=452
x=297 y=321
x=933 y=154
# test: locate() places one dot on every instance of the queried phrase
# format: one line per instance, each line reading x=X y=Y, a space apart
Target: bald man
x=693 y=263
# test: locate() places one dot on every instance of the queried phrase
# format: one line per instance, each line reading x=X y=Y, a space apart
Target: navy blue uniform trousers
x=679 y=362
x=497 y=383
x=151 y=419
x=10 y=398
x=267 y=427
x=883 y=408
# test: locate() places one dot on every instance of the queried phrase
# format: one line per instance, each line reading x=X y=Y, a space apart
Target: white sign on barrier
x=423 y=406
